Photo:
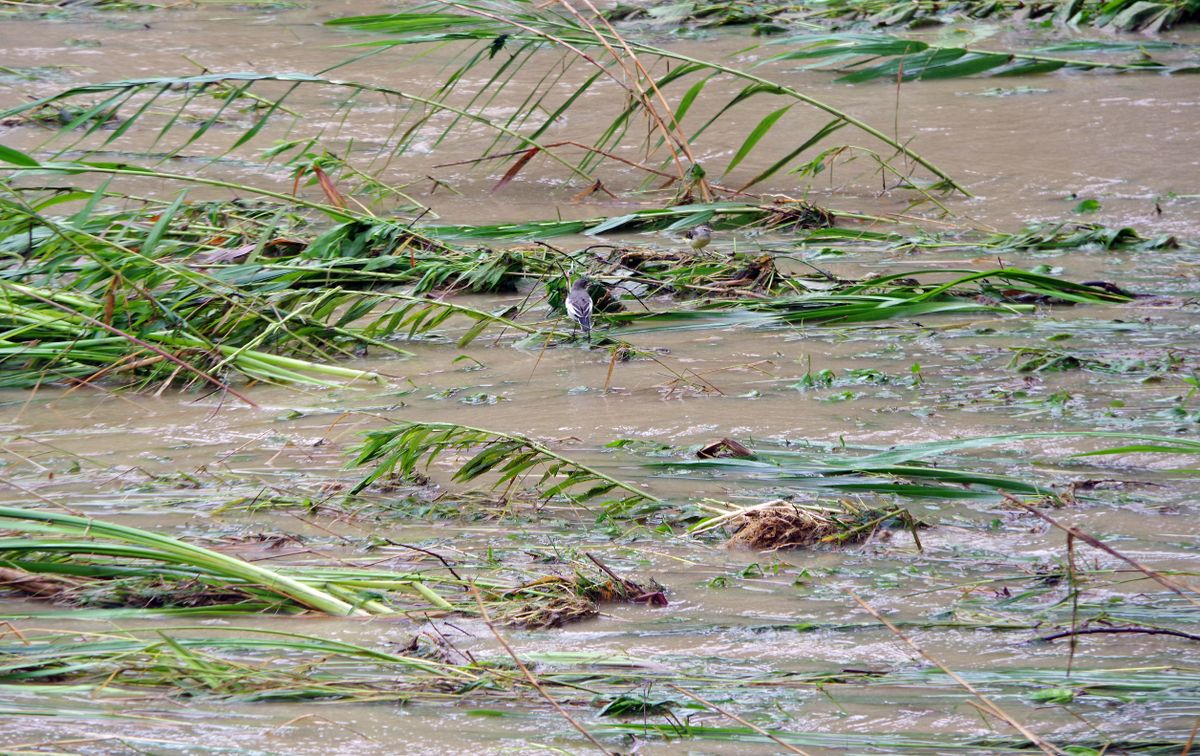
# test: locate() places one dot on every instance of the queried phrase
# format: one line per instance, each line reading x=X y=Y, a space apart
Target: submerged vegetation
x=769 y=17
x=90 y=563
x=864 y=57
x=914 y=478
x=201 y=291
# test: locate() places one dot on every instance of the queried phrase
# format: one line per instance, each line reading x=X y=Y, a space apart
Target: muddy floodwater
x=776 y=637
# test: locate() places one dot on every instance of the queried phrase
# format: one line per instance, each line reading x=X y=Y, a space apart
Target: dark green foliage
x=866 y=57
x=510 y=457
x=529 y=29
x=200 y=290
x=900 y=295
x=774 y=17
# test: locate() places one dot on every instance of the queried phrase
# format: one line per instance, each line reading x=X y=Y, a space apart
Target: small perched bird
x=699 y=237
x=579 y=305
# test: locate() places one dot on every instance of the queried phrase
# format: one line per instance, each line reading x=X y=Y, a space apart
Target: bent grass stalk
x=130 y=337
x=212 y=561
x=402 y=446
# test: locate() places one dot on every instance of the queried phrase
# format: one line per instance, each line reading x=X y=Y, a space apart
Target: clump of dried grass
x=783 y=526
x=779 y=524
x=556 y=601
x=555 y=609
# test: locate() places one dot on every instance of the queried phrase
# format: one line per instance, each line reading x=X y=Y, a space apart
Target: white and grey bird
x=699 y=237
x=579 y=305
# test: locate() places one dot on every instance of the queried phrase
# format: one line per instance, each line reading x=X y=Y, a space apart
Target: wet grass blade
x=917 y=60
x=400 y=449
x=176 y=551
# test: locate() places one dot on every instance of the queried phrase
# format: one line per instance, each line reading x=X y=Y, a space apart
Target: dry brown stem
x=1092 y=541
x=530 y=676
x=985 y=704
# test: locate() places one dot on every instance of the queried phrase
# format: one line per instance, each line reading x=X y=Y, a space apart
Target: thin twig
x=1074 y=583
x=433 y=554
x=1115 y=630
x=35 y=494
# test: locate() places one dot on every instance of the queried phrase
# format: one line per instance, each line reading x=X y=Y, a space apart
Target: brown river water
x=1129 y=141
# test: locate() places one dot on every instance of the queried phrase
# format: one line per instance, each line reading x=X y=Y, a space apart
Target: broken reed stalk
x=1192 y=739
x=1074 y=583
x=487 y=620
x=986 y=704
x=737 y=719
x=1072 y=532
